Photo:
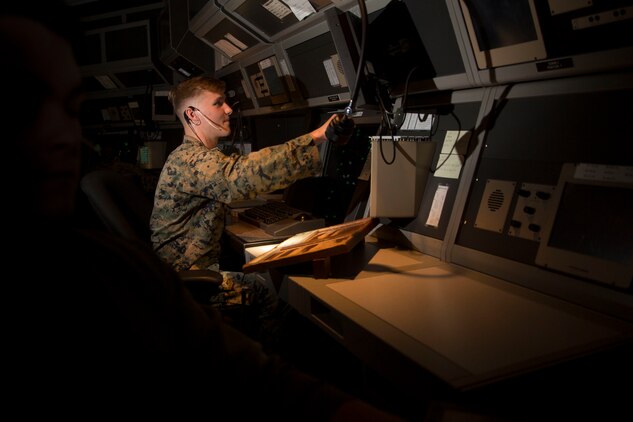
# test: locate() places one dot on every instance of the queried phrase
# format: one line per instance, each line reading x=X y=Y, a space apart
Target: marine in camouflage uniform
x=194 y=187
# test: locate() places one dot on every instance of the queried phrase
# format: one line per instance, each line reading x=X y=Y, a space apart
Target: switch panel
x=530 y=211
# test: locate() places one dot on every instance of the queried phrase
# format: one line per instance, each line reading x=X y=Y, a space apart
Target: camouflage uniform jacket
x=196 y=183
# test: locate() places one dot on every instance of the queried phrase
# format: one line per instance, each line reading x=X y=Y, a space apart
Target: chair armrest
x=201 y=276
x=202 y=284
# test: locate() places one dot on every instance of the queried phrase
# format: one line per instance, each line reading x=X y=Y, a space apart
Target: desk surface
x=464 y=327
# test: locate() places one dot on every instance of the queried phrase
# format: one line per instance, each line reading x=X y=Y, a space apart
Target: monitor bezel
x=161 y=95
x=336 y=95
x=577 y=264
x=270 y=74
x=507 y=55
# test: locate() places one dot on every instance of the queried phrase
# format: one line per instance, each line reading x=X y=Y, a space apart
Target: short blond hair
x=182 y=93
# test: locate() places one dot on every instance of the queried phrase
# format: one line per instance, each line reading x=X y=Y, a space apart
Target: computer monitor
x=127 y=41
x=267 y=82
x=588 y=232
x=345 y=28
x=237 y=90
x=317 y=68
x=503 y=33
x=398 y=50
x=547 y=39
x=162 y=109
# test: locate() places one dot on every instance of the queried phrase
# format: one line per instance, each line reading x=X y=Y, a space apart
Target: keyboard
x=280 y=219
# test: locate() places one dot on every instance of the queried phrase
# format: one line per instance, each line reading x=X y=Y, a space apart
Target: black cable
x=382 y=154
x=434 y=126
x=393 y=143
x=386 y=120
x=361 y=62
x=406 y=88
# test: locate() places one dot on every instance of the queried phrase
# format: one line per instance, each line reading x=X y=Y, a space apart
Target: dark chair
x=124 y=208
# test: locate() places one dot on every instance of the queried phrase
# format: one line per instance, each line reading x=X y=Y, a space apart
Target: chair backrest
x=125 y=209
x=119 y=202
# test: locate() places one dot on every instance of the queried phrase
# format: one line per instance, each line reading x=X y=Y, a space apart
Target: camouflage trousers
x=246 y=289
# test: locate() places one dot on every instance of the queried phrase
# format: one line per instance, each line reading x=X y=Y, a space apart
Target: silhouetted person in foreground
x=95 y=325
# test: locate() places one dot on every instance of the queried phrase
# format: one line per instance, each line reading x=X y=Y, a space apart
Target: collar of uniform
x=196 y=141
x=192 y=140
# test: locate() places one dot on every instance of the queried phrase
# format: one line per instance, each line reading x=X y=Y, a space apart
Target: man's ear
x=188 y=114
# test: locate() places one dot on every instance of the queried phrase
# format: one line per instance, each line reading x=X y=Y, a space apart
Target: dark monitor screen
x=311 y=61
x=595 y=221
x=394 y=46
x=90 y=51
x=503 y=33
x=588 y=231
x=127 y=43
x=162 y=108
x=513 y=23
